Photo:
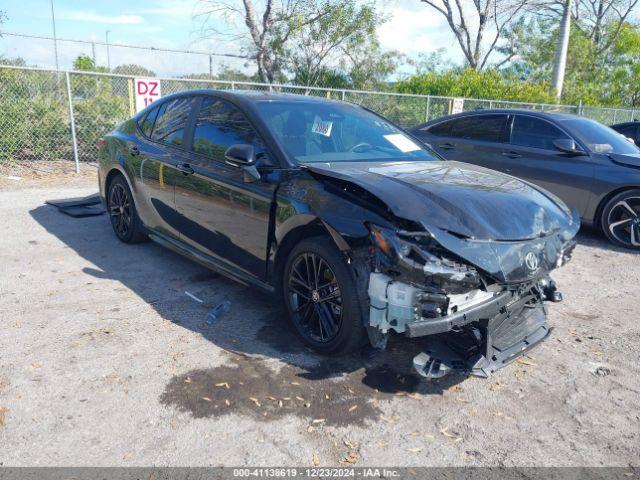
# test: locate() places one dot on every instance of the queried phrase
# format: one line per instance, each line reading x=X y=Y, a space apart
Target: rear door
x=221 y=214
x=531 y=155
x=157 y=159
x=477 y=139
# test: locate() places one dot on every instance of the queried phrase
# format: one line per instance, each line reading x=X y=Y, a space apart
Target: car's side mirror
x=567 y=145
x=243 y=156
x=240 y=155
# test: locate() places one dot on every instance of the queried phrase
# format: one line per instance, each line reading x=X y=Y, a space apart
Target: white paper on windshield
x=402 y=143
x=321 y=127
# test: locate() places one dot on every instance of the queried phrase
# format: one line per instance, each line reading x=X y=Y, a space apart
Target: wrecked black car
x=362 y=230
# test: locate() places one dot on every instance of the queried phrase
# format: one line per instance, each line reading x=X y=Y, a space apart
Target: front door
x=221 y=214
x=531 y=155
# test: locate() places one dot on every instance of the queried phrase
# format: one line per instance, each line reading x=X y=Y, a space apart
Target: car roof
x=253 y=96
x=546 y=114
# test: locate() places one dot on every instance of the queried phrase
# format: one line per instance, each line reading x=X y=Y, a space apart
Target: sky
x=411 y=28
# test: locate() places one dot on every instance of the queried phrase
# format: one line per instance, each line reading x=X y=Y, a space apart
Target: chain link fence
x=60 y=115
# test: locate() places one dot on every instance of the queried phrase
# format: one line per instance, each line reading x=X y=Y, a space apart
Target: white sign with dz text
x=458 y=106
x=147 y=90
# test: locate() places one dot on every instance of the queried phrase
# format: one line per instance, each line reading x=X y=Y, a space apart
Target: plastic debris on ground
x=220 y=309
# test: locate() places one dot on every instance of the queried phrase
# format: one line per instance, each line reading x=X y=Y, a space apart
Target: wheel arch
x=597 y=220
x=111 y=175
x=297 y=229
x=113 y=172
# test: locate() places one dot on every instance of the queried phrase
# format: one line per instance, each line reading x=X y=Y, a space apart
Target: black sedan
x=630 y=130
x=360 y=229
x=589 y=166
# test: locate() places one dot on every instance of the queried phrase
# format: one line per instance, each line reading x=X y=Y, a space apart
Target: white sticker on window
x=322 y=128
x=402 y=143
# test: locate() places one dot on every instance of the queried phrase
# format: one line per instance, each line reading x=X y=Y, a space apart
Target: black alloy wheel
x=322 y=299
x=314 y=297
x=621 y=219
x=122 y=212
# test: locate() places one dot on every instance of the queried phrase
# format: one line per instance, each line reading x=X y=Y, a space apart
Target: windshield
x=598 y=138
x=313 y=132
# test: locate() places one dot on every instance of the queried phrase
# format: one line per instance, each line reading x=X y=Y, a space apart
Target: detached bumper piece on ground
x=88 y=206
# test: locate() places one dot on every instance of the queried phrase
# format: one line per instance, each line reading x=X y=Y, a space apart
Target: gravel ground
x=104 y=360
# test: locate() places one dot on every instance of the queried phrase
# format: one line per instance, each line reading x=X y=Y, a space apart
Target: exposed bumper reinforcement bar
x=439 y=359
x=483 y=311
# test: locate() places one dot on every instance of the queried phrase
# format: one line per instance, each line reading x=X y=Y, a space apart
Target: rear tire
x=620 y=220
x=321 y=298
x=122 y=212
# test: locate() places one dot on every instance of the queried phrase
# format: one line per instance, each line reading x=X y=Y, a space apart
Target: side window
x=440 y=129
x=146 y=124
x=488 y=128
x=535 y=133
x=171 y=121
x=629 y=131
x=220 y=125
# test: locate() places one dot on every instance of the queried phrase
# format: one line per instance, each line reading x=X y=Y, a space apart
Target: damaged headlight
x=413 y=255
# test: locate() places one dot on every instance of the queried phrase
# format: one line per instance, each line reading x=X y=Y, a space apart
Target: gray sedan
x=594 y=169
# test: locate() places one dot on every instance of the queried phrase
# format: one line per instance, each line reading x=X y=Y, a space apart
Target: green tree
x=467 y=82
x=231 y=74
x=594 y=76
x=478 y=25
x=84 y=63
x=430 y=62
x=316 y=48
x=303 y=38
x=133 y=69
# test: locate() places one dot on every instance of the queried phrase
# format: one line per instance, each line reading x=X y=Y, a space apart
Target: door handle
x=446 y=146
x=133 y=150
x=185 y=168
x=512 y=154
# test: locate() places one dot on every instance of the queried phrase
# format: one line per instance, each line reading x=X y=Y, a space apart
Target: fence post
x=73 y=124
x=233 y=86
x=343 y=95
x=426 y=115
x=132 y=102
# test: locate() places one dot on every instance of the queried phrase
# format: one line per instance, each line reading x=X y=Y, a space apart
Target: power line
x=139 y=47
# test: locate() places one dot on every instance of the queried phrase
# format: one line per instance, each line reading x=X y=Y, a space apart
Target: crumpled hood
x=630 y=160
x=459 y=198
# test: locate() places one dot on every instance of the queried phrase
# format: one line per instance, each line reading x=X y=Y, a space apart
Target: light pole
x=55 y=38
x=561 y=53
x=108 y=58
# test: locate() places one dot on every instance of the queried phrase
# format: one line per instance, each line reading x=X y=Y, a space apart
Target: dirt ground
x=105 y=360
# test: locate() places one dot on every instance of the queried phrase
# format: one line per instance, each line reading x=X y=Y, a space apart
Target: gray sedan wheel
x=621 y=219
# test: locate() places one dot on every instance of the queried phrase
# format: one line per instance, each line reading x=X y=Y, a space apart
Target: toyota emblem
x=531 y=261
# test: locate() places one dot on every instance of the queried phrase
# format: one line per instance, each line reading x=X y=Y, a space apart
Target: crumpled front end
x=479 y=304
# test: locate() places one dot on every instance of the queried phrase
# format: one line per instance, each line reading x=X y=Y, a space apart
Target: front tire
x=321 y=298
x=122 y=212
x=620 y=219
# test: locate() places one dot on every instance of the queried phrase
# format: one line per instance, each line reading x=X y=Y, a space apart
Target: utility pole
x=93 y=55
x=55 y=38
x=108 y=57
x=560 y=63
